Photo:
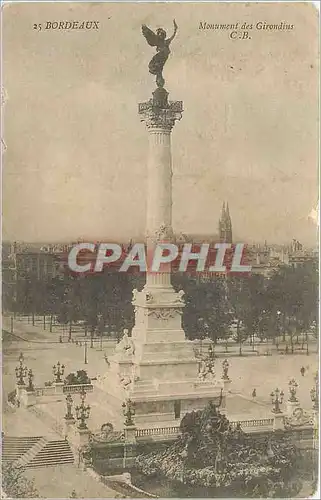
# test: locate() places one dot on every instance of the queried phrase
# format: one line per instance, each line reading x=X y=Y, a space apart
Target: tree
x=239 y=294
x=15 y=484
x=206 y=313
x=292 y=294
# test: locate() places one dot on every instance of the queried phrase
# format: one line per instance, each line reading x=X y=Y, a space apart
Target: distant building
x=267 y=259
x=39 y=263
x=225 y=225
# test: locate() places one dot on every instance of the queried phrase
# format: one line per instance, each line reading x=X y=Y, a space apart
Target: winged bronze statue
x=162 y=44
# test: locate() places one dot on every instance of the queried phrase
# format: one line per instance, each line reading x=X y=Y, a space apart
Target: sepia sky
x=75 y=163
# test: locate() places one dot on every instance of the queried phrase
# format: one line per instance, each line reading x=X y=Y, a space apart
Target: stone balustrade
x=45 y=391
x=75 y=389
x=257 y=422
x=168 y=431
x=157 y=431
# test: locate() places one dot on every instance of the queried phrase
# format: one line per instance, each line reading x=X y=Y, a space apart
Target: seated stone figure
x=126 y=345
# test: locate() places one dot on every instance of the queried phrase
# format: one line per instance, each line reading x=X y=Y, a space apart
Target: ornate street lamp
x=277 y=400
x=225 y=366
x=210 y=361
x=278 y=317
x=58 y=372
x=82 y=411
x=21 y=371
x=69 y=402
x=85 y=354
x=211 y=352
x=129 y=412
x=30 y=381
x=83 y=395
x=101 y=329
x=292 y=389
x=314 y=393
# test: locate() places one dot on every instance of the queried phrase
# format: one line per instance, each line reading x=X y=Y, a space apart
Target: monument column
x=156 y=369
x=159 y=116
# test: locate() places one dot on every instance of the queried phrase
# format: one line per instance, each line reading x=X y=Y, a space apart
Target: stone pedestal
x=291 y=406
x=316 y=423
x=82 y=437
x=130 y=434
x=20 y=388
x=129 y=446
x=278 y=423
x=68 y=426
x=59 y=387
x=226 y=384
x=28 y=398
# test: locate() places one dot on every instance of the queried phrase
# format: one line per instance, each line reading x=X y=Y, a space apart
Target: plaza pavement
x=61 y=481
x=43 y=350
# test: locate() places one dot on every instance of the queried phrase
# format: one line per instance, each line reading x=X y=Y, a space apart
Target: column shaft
x=159 y=191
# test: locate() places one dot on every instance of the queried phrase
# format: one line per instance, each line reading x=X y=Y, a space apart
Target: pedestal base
x=278 y=423
x=59 y=387
x=20 y=388
x=157 y=368
x=160 y=402
x=68 y=426
x=28 y=398
x=226 y=384
x=82 y=437
x=291 y=406
x=130 y=434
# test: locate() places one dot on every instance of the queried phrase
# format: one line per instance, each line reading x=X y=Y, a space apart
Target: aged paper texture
x=160 y=250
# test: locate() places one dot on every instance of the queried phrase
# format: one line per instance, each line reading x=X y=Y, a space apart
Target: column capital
x=159 y=113
x=162 y=234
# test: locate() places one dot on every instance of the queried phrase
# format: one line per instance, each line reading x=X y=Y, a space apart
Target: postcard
x=160 y=224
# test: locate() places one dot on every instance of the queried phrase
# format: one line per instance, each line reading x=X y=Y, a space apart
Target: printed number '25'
x=37 y=27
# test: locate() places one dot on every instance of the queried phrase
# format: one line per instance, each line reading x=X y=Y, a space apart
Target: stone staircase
x=52 y=454
x=13 y=448
x=30 y=454
x=34 y=452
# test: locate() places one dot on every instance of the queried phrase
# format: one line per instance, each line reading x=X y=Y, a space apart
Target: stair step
x=57 y=452
x=54 y=464
x=61 y=459
x=56 y=455
x=14 y=447
x=50 y=462
x=13 y=440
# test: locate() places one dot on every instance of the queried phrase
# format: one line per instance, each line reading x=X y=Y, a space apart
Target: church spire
x=227 y=212
x=225 y=224
x=223 y=211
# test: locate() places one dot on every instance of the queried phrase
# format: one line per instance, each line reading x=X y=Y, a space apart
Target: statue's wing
x=150 y=36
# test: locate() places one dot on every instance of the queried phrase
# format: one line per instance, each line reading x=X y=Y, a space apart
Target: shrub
x=78 y=378
x=15 y=484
